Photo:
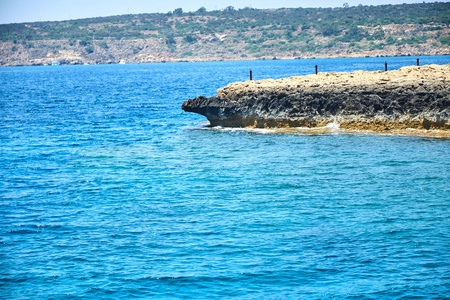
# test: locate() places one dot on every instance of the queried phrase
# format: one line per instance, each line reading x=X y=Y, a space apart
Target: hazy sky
x=20 y=11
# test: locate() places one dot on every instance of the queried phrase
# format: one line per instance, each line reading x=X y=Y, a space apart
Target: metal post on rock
x=316 y=69
x=417 y=62
x=251 y=77
x=385 y=66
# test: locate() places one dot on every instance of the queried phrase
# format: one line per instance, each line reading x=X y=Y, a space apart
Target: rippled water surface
x=109 y=190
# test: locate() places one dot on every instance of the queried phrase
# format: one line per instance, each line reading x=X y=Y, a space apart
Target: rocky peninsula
x=416 y=98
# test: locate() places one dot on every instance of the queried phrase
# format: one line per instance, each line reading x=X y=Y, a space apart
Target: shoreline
x=213 y=59
x=331 y=129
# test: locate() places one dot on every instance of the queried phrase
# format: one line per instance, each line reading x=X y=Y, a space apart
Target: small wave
x=245 y=129
x=207 y=126
x=333 y=124
x=330 y=128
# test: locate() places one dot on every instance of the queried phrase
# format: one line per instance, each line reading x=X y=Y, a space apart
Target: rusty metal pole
x=251 y=77
x=316 y=69
x=417 y=62
x=385 y=66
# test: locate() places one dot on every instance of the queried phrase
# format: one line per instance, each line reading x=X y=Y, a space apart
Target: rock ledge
x=411 y=97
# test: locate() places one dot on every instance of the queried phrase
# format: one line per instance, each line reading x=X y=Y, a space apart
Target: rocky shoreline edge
x=412 y=100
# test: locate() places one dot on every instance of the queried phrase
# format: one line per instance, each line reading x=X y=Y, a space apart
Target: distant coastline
x=232 y=35
x=66 y=61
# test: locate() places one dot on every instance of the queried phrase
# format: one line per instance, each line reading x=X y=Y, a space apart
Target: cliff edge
x=411 y=97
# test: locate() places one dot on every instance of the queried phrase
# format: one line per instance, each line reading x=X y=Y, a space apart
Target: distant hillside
x=229 y=34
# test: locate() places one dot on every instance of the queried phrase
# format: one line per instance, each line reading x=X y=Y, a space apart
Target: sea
x=108 y=190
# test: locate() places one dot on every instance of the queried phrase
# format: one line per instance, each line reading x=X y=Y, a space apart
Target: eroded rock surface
x=411 y=97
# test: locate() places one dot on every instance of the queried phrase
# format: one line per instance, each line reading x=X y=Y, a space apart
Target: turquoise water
x=109 y=190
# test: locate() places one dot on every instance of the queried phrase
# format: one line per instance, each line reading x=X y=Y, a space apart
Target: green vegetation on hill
x=328 y=21
x=245 y=32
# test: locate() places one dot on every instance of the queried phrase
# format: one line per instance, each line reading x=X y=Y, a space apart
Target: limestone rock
x=411 y=97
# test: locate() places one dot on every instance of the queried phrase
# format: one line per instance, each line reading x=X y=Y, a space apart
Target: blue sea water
x=109 y=190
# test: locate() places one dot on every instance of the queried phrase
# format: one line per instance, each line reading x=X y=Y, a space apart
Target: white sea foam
x=329 y=128
x=333 y=124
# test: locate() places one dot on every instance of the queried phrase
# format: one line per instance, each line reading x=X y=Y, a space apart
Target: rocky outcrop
x=411 y=97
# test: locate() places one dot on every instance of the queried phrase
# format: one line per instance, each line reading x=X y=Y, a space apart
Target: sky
x=22 y=11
